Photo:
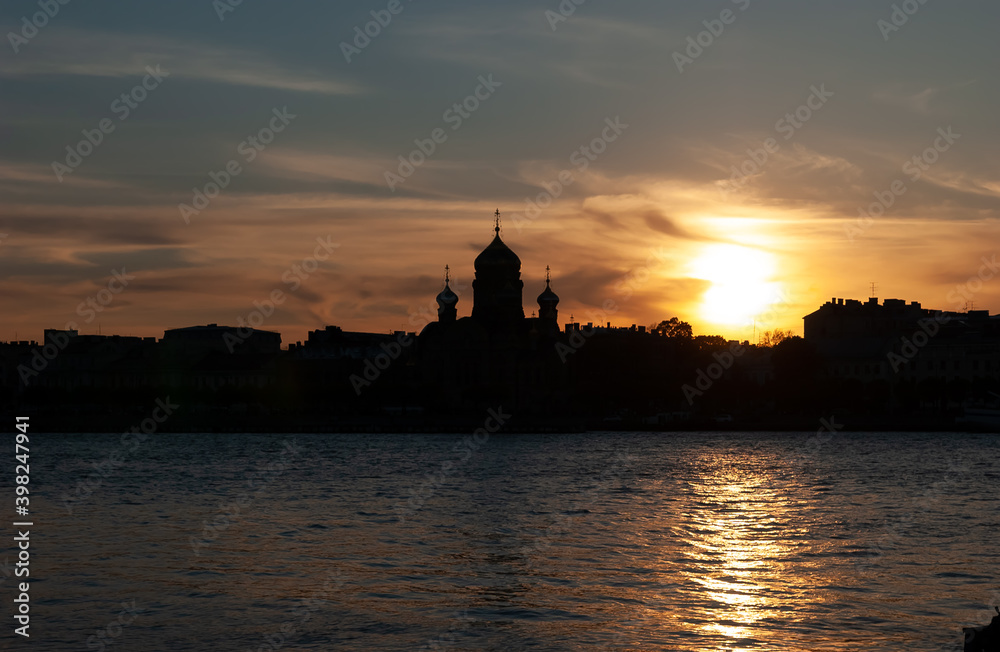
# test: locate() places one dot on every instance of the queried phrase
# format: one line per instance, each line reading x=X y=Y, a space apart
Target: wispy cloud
x=16 y=175
x=921 y=102
x=127 y=55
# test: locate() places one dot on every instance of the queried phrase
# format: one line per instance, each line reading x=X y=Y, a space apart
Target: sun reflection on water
x=733 y=526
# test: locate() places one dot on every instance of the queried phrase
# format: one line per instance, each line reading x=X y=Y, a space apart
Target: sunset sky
x=654 y=223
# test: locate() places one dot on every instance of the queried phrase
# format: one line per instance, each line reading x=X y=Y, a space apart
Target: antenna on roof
x=874 y=286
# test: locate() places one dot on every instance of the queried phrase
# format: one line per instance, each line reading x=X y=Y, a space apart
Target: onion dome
x=548 y=301
x=446 y=298
x=497 y=255
x=547 y=297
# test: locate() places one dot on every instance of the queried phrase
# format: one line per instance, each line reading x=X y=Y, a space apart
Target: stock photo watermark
x=90 y=306
x=788 y=126
x=563 y=523
x=106 y=636
x=910 y=346
x=128 y=444
x=914 y=168
x=302 y=614
x=230 y=513
x=57 y=341
x=373 y=368
x=930 y=327
x=893 y=533
x=625 y=288
x=581 y=158
x=459 y=625
x=420 y=494
x=364 y=34
x=294 y=276
x=454 y=116
x=30 y=25
x=566 y=9
x=123 y=106
x=223 y=7
x=714 y=28
x=898 y=17
x=249 y=149
x=427 y=313
x=705 y=378
x=964 y=292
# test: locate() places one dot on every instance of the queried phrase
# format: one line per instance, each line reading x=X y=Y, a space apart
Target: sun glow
x=741 y=286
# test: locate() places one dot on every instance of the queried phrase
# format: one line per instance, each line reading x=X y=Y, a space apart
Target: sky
x=734 y=164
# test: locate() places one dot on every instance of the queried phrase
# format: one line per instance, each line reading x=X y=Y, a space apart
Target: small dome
x=547 y=295
x=446 y=297
x=548 y=299
x=497 y=256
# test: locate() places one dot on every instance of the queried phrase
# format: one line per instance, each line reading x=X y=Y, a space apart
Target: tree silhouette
x=774 y=338
x=674 y=327
x=711 y=341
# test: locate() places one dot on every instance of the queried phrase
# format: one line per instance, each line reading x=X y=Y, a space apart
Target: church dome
x=447 y=300
x=547 y=296
x=497 y=256
x=446 y=297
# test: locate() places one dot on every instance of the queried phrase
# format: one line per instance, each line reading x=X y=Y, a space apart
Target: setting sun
x=742 y=285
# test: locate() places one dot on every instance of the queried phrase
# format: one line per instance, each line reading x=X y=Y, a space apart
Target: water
x=615 y=541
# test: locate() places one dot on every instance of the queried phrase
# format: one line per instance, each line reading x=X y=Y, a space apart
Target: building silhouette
x=896 y=341
x=874 y=364
x=496 y=354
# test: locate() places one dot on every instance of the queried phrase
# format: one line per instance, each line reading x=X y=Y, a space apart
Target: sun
x=741 y=283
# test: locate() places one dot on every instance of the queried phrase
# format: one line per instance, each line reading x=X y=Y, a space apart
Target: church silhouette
x=496 y=354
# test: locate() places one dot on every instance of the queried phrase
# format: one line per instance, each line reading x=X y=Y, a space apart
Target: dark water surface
x=624 y=541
